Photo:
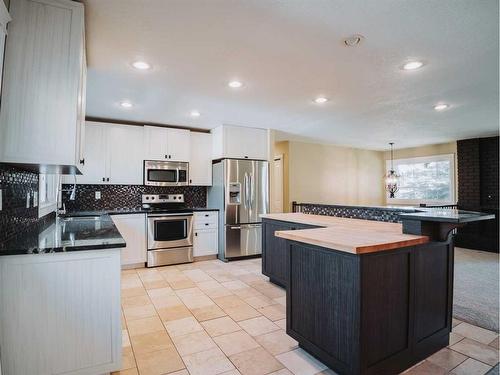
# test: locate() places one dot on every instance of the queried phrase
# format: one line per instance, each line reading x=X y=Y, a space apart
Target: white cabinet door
x=95 y=169
x=4 y=20
x=125 y=147
x=42 y=71
x=178 y=144
x=200 y=161
x=133 y=229
x=240 y=143
x=205 y=242
x=156 y=143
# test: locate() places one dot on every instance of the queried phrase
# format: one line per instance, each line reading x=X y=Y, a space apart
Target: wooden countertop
x=353 y=236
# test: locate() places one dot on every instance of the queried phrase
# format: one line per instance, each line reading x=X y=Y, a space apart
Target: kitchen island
x=60 y=298
x=364 y=296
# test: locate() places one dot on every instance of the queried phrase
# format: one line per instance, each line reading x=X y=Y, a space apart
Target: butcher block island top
x=355 y=236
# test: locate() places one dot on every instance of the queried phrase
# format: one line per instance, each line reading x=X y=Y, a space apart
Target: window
x=429 y=180
x=47 y=193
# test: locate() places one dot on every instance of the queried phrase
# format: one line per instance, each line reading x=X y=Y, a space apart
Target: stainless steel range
x=169 y=229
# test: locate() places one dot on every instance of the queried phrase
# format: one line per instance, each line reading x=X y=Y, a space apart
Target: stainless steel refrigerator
x=240 y=191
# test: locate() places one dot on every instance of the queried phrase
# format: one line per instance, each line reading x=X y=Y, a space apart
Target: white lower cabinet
x=206 y=240
x=132 y=227
x=60 y=313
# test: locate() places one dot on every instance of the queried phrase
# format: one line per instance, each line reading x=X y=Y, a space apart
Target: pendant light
x=391 y=178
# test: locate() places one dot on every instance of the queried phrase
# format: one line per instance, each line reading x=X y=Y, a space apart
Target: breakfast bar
x=365 y=297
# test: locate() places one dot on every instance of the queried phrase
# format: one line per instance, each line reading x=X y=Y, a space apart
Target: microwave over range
x=166 y=173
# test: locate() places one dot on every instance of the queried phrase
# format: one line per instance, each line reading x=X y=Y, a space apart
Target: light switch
x=97 y=195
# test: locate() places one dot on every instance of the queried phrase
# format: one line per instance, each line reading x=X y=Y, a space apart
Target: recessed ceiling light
x=195 y=114
x=125 y=104
x=320 y=100
x=141 y=65
x=354 y=40
x=412 y=65
x=235 y=84
x=441 y=107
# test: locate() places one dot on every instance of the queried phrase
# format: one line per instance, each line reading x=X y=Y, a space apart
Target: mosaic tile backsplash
x=127 y=196
x=15 y=184
x=354 y=212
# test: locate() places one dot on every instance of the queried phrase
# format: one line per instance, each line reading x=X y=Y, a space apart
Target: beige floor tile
x=197 y=275
x=196 y=301
x=220 y=326
x=281 y=323
x=248 y=278
x=182 y=284
x=159 y=362
x=242 y=312
x=273 y=312
x=300 y=363
x=133 y=292
x=208 y=312
x=327 y=372
x=125 y=339
x=174 y=313
x=181 y=372
x=228 y=301
x=194 y=291
x=231 y=372
x=471 y=367
x=255 y=362
x=193 y=343
x=183 y=326
x=280 y=300
x=259 y=301
x=247 y=293
x=475 y=333
x=207 y=285
x=136 y=301
x=209 y=362
x=161 y=302
x=455 y=322
x=277 y=342
x=273 y=292
x=454 y=338
x=128 y=359
x=477 y=350
x=223 y=277
x=145 y=325
x=151 y=342
x=155 y=284
x=447 y=358
x=258 y=326
x=161 y=292
x=130 y=282
x=139 y=312
x=131 y=371
x=495 y=343
x=218 y=292
x=235 y=284
x=283 y=371
x=236 y=342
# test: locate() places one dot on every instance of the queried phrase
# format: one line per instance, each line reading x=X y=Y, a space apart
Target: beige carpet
x=476 y=289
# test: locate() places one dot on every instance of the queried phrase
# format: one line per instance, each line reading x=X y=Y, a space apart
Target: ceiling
x=288 y=52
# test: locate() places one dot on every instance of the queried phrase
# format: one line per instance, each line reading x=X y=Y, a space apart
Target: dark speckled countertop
x=126 y=211
x=447 y=216
x=66 y=234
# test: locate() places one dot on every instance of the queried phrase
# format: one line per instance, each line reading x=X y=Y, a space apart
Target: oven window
x=162 y=175
x=170 y=230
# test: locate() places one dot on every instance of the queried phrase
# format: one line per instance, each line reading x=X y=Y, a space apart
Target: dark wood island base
x=362 y=306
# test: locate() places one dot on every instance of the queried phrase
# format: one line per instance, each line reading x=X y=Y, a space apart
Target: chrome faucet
x=59 y=196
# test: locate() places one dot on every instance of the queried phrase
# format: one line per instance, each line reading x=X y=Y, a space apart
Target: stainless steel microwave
x=166 y=173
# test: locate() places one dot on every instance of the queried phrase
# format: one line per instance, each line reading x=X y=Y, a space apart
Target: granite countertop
x=447 y=216
x=355 y=236
x=64 y=235
x=125 y=211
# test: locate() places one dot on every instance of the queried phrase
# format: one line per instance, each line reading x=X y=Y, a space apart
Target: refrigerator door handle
x=247 y=192
x=252 y=191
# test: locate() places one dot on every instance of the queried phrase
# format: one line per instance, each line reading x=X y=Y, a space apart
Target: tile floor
x=210 y=317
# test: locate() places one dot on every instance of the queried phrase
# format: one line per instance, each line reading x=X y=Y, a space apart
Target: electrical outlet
x=35 y=199
x=28 y=199
x=97 y=195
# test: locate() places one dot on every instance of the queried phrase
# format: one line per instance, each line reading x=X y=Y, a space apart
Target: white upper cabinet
x=239 y=143
x=43 y=84
x=200 y=163
x=167 y=144
x=113 y=155
x=4 y=20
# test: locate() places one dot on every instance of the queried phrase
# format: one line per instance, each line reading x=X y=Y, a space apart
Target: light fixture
x=141 y=65
x=125 y=104
x=235 y=84
x=413 y=65
x=195 y=114
x=391 y=178
x=320 y=100
x=354 y=40
x=441 y=106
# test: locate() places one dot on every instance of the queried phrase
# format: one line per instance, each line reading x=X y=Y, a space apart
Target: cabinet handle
x=104 y=179
x=166 y=156
x=206 y=224
x=196 y=233
x=246 y=157
x=107 y=179
x=170 y=156
x=206 y=215
x=82 y=161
